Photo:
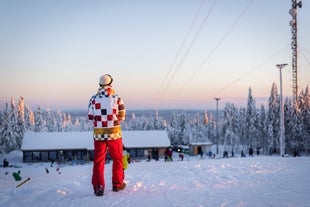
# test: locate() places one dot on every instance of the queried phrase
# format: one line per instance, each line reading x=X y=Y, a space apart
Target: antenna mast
x=293 y=24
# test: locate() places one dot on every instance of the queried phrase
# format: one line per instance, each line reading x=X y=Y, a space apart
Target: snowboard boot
x=118 y=188
x=99 y=191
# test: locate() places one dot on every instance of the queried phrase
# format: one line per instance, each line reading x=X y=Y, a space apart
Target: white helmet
x=105 y=80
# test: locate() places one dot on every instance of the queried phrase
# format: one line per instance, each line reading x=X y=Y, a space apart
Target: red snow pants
x=115 y=148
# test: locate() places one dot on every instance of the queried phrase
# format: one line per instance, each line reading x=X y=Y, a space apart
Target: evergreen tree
x=242 y=128
x=20 y=123
x=7 y=133
x=263 y=129
x=59 y=121
x=250 y=132
x=273 y=117
x=29 y=118
x=211 y=129
x=39 y=122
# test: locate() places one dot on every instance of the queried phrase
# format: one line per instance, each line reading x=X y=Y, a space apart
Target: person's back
x=106 y=109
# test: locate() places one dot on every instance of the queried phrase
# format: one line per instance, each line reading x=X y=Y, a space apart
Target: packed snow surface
x=251 y=181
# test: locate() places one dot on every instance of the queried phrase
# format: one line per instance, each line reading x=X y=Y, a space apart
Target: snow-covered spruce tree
x=263 y=130
x=306 y=120
x=211 y=129
x=242 y=126
x=251 y=135
x=198 y=130
x=273 y=118
x=77 y=125
x=7 y=133
x=69 y=125
x=226 y=125
x=177 y=132
x=172 y=130
x=290 y=144
x=20 y=122
x=29 y=118
x=158 y=122
x=50 y=120
x=229 y=127
x=39 y=125
x=304 y=106
x=59 y=121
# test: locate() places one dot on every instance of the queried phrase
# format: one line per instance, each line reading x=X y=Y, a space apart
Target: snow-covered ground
x=251 y=181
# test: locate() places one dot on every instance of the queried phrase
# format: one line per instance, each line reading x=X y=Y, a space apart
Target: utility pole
x=282 y=143
x=293 y=24
x=217 y=125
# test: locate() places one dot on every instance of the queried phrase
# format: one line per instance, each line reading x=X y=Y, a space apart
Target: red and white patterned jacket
x=106 y=109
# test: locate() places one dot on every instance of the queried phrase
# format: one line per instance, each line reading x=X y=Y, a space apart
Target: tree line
x=239 y=128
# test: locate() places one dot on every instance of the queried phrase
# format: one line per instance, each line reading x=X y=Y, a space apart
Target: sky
x=164 y=54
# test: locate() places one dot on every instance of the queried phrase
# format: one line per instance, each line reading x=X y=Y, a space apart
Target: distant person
x=210 y=154
x=168 y=155
x=225 y=154
x=201 y=155
x=181 y=155
x=106 y=110
x=125 y=158
x=251 y=152
x=242 y=153
x=5 y=163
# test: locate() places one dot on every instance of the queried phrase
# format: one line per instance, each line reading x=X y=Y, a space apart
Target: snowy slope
x=252 y=181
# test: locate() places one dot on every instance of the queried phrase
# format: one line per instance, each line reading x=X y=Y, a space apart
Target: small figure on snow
x=225 y=154
x=181 y=155
x=125 y=158
x=251 y=152
x=17 y=176
x=168 y=155
x=242 y=153
x=5 y=163
x=201 y=155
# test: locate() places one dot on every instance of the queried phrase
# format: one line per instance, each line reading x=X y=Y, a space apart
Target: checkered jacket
x=106 y=109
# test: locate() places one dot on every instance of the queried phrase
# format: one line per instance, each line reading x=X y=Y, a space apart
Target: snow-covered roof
x=144 y=139
x=84 y=140
x=201 y=143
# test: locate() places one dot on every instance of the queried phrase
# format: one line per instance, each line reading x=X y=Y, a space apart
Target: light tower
x=282 y=143
x=293 y=24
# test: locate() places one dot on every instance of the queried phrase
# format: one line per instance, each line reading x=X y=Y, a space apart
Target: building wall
x=197 y=149
x=55 y=155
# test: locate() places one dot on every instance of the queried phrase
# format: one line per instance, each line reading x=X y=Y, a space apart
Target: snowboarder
x=106 y=110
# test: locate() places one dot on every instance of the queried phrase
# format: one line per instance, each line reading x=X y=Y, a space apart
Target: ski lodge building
x=67 y=146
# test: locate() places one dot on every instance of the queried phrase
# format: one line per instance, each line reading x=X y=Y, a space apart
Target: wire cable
x=181 y=47
x=248 y=72
x=191 y=44
x=217 y=45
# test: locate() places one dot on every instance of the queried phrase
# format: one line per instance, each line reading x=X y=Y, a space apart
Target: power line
x=217 y=45
x=181 y=47
x=303 y=49
x=247 y=73
x=192 y=43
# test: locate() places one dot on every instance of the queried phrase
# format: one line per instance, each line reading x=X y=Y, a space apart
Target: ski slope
x=251 y=181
